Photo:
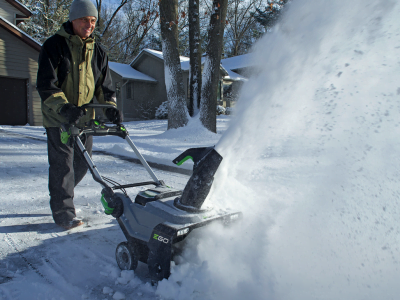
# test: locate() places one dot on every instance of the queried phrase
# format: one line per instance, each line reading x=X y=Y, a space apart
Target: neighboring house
x=140 y=86
x=241 y=64
x=239 y=68
x=136 y=92
x=19 y=99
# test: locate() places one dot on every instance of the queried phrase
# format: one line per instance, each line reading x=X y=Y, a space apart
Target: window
x=129 y=90
x=118 y=89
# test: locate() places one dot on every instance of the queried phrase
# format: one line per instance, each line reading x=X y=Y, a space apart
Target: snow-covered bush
x=220 y=110
x=162 y=111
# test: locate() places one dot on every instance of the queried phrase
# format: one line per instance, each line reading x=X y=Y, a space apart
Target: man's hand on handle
x=72 y=113
x=114 y=115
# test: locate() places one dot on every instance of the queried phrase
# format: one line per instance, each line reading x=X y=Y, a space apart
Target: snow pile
x=312 y=162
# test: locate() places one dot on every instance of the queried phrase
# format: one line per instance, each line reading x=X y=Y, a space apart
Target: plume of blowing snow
x=311 y=159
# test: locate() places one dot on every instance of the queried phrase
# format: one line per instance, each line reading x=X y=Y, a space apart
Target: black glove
x=72 y=113
x=114 y=115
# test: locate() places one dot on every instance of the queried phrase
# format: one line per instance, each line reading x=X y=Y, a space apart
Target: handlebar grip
x=93 y=105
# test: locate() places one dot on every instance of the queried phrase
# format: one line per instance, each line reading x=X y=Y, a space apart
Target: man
x=72 y=70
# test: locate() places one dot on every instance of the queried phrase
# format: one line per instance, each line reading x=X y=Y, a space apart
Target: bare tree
x=47 y=17
x=211 y=72
x=177 y=111
x=271 y=13
x=241 y=25
x=124 y=38
x=113 y=15
x=103 y=24
x=195 y=56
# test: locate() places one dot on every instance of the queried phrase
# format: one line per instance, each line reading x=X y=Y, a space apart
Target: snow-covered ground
x=155 y=143
x=41 y=261
x=311 y=158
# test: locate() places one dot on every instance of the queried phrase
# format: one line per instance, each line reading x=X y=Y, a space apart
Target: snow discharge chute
x=206 y=163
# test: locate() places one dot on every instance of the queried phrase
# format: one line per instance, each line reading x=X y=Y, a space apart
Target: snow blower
x=160 y=217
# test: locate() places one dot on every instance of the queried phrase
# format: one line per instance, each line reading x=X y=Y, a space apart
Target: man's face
x=84 y=27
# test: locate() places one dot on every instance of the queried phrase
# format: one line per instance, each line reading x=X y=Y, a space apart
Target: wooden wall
x=8 y=12
x=19 y=60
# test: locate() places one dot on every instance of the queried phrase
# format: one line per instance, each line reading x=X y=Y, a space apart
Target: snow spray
x=312 y=160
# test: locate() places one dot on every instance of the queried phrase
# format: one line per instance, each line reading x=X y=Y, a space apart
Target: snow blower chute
x=159 y=217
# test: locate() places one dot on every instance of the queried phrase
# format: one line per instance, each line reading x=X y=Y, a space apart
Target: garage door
x=13 y=101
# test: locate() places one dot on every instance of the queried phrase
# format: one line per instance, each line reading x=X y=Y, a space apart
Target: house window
x=129 y=90
x=118 y=89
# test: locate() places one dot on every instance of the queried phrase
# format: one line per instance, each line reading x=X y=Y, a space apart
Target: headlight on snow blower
x=182 y=231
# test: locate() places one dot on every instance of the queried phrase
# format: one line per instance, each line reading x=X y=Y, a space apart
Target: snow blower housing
x=159 y=217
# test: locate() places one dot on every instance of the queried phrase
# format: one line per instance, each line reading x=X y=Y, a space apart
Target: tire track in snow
x=9 y=240
x=49 y=266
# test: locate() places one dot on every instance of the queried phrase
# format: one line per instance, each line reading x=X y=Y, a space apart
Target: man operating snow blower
x=73 y=69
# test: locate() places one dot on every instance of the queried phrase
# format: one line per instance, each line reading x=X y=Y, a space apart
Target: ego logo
x=160 y=238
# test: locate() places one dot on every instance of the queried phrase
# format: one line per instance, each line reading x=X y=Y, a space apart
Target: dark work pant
x=67 y=169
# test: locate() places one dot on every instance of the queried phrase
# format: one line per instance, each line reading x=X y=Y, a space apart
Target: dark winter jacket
x=72 y=70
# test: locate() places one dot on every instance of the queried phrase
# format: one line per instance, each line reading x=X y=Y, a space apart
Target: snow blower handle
x=95 y=105
x=195 y=154
x=71 y=130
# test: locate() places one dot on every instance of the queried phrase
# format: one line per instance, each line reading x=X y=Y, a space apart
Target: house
x=239 y=68
x=140 y=85
x=241 y=64
x=19 y=99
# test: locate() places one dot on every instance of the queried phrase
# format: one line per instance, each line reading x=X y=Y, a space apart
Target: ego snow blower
x=160 y=217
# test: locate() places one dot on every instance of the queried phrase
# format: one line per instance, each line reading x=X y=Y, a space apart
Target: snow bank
x=312 y=162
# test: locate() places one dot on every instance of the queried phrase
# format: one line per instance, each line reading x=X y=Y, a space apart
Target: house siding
x=153 y=67
x=18 y=60
x=8 y=12
x=143 y=96
x=144 y=103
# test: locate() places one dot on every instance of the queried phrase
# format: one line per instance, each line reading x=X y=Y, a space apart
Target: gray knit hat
x=82 y=8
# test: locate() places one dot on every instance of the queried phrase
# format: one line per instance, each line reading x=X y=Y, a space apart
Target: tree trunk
x=99 y=20
x=177 y=110
x=211 y=72
x=195 y=57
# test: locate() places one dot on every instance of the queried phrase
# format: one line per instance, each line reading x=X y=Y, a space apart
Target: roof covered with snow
x=232 y=76
x=20 y=34
x=238 y=62
x=157 y=54
x=127 y=72
x=185 y=63
x=21 y=7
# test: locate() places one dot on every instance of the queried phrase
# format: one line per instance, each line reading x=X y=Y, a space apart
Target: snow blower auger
x=160 y=217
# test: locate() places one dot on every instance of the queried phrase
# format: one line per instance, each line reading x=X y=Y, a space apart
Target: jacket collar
x=67 y=32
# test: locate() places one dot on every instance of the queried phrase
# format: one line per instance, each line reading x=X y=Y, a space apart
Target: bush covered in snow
x=162 y=111
x=220 y=110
